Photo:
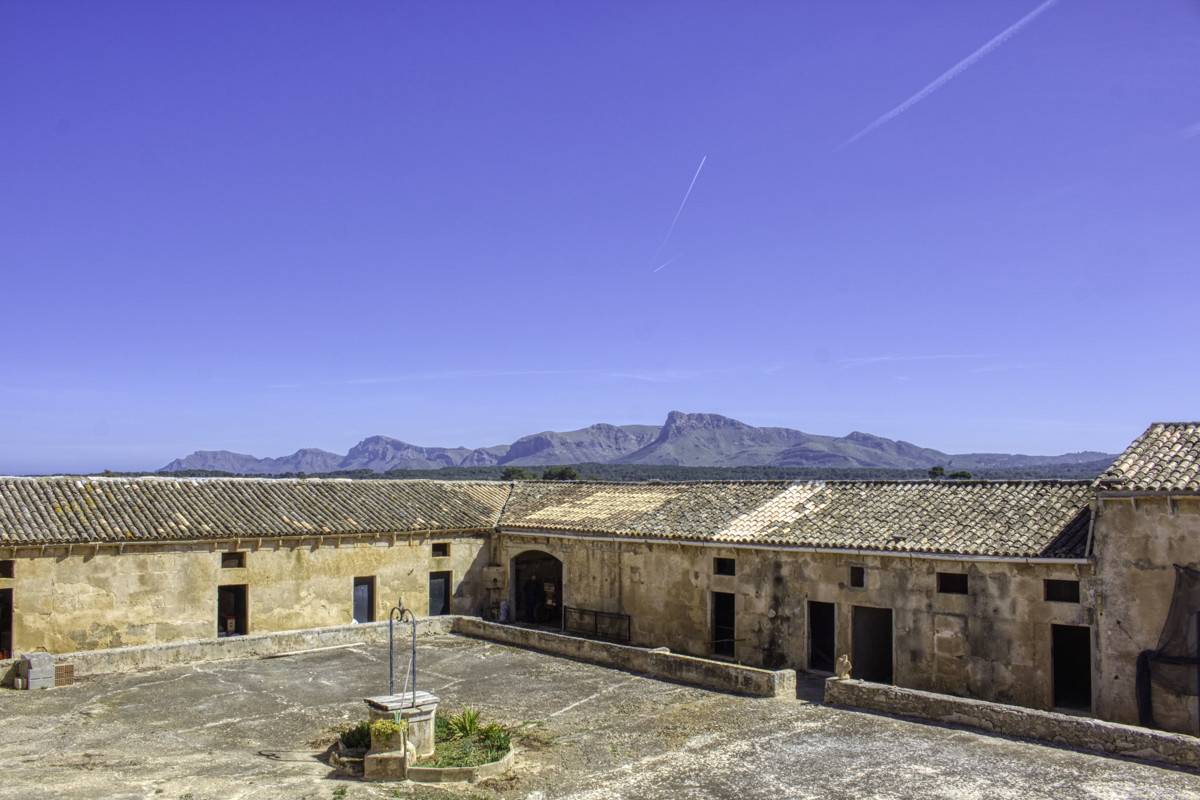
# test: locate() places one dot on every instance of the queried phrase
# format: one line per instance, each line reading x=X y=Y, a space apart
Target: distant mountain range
x=697 y=440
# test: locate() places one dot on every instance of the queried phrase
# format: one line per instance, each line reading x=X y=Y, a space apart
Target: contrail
x=686 y=195
x=951 y=73
x=668 y=261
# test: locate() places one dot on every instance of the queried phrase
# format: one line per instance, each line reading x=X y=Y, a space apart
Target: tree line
x=640 y=473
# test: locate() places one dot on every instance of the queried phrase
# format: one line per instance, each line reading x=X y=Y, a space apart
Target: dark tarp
x=1175 y=663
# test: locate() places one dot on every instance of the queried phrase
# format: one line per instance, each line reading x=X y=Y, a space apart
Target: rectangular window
x=364 y=599
x=858 y=577
x=6 y=568
x=724 y=566
x=723 y=625
x=441 y=549
x=952 y=583
x=233 y=560
x=1062 y=591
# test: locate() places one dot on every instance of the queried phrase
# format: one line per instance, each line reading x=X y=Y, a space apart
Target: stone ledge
x=1085 y=733
x=456 y=774
x=702 y=672
x=226 y=648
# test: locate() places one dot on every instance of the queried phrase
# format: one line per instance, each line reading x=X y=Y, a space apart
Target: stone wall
x=1081 y=732
x=84 y=598
x=992 y=643
x=259 y=645
x=719 y=675
x=1137 y=542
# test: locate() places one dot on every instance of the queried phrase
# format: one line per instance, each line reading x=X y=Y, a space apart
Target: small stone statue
x=843 y=667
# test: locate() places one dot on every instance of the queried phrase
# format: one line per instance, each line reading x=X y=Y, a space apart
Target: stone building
x=1037 y=593
x=106 y=562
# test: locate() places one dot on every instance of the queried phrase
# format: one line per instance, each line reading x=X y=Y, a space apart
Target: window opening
x=232 y=607
x=1062 y=591
x=441 y=549
x=1071 y=658
x=723 y=624
x=235 y=560
x=952 y=583
x=364 y=599
x=724 y=566
x=821 y=639
x=6 y=568
x=858 y=577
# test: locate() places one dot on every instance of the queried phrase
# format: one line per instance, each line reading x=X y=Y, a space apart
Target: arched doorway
x=537 y=588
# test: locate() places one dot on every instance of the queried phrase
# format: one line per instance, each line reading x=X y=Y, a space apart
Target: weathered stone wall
x=992 y=643
x=1137 y=542
x=710 y=674
x=256 y=645
x=83 y=598
x=1081 y=732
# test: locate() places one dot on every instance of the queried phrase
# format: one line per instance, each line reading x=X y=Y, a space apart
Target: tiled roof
x=51 y=510
x=1012 y=519
x=1166 y=458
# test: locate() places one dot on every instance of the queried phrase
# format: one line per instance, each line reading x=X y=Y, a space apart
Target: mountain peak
x=679 y=423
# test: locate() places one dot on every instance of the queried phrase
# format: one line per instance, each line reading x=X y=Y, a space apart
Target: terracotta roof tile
x=1166 y=458
x=1018 y=519
x=53 y=510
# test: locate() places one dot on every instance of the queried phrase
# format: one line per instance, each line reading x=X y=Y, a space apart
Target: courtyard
x=263 y=728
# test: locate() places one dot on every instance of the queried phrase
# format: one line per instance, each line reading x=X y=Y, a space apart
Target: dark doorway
x=439 y=593
x=724 y=628
x=364 y=599
x=1071 y=657
x=537 y=588
x=6 y=618
x=821 y=644
x=871 y=649
x=231 y=611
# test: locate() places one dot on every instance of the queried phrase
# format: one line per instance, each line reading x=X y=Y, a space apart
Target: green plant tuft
x=359 y=736
x=465 y=723
x=496 y=737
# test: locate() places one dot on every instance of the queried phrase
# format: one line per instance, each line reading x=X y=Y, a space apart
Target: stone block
x=390 y=766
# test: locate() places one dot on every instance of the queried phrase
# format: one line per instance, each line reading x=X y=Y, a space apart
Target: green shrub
x=495 y=737
x=384 y=729
x=359 y=736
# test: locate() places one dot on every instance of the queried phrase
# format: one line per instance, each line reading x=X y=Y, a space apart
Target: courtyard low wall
x=1084 y=733
x=255 y=645
x=718 y=675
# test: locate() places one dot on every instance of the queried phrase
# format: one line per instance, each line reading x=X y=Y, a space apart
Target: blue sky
x=260 y=226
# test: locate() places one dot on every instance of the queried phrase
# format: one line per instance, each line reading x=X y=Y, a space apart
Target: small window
x=233 y=560
x=858 y=577
x=441 y=549
x=952 y=583
x=724 y=566
x=6 y=568
x=1062 y=591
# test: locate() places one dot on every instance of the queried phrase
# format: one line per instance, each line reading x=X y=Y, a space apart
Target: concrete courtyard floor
x=260 y=729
